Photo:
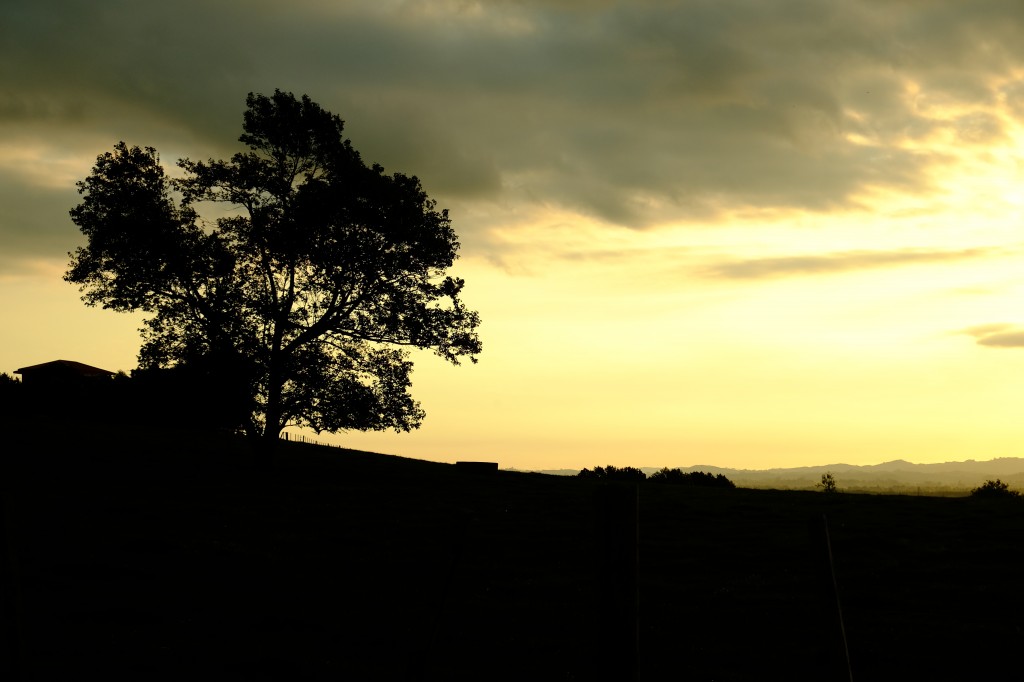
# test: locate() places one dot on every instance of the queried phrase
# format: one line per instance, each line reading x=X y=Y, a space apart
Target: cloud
x=637 y=113
x=833 y=263
x=998 y=335
x=1014 y=339
x=979 y=128
x=34 y=220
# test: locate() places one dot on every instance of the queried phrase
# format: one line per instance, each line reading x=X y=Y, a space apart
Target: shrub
x=610 y=473
x=995 y=490
x=692 y=478
x=11 y=396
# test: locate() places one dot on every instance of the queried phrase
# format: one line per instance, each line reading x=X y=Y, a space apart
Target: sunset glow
x=726 y=233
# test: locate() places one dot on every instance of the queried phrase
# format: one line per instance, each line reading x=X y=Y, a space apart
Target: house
x=61 y=373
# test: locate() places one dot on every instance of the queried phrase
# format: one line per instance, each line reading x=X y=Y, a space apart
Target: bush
x=610 y=473
x=693 y=478
x=995 y=490
x=12 y=398
x=828 y=483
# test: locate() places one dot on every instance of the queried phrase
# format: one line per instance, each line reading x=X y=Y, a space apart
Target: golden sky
x=741 y=233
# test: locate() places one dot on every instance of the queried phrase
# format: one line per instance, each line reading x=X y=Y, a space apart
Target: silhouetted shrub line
x=670 y=476
x=611 y=473
x=692 y=478
x=995 y=490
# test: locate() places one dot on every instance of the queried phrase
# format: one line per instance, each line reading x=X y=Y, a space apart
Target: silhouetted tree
x=11 y=397
x=198 y=394
x=691 y=478
x=828 y=483
x=995 y=490
x=611 y=473
x=304 y=294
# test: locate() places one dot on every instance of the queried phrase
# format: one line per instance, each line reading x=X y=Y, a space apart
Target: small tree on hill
x=828 y=483
x=995 y=490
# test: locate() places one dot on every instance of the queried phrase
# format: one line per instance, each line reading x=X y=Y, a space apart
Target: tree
x=828 y=483
x=308 y=290
x=701 y=479
x=995 y=490
x=612 y=473
x=12 y=397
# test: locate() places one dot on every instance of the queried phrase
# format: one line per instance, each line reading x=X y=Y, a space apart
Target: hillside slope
x=154 y=555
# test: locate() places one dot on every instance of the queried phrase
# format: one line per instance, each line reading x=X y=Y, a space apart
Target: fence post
x=840 y=649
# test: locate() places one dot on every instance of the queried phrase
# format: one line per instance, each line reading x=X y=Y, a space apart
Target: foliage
x=611 y=473
x=995 y=490
x=193 y=395
x=307 y=290
x=11 y=397
x=692 y=478
x=673 y=476
x=828 y=483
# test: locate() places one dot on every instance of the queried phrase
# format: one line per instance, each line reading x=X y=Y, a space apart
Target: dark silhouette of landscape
x=894 y=477
x=146 y=538
x=151 y=552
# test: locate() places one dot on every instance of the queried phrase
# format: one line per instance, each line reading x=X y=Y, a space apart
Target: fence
x=299 y=438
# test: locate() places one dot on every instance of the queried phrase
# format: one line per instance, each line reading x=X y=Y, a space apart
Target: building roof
x=66 y=367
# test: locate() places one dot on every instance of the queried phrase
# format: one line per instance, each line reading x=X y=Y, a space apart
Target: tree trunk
x=272 y=425
x=274 y=422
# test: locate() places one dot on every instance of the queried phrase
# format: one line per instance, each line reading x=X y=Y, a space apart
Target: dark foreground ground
x=173 y=556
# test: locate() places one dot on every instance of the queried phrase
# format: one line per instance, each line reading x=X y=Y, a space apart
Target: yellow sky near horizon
x=630 y=352
x=711 y=233
x=607 y=346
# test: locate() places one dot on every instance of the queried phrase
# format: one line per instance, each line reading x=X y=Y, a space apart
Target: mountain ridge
x=893 y=475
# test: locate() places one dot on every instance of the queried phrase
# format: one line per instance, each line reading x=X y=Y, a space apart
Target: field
x=173 y=556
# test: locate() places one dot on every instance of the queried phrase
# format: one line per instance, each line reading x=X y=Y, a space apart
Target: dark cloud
x=982 y=330
x=636 y=112
x=832 y=263
x=1013 y=92
x=34 y=221
x=998 y=335
x=1014 y=339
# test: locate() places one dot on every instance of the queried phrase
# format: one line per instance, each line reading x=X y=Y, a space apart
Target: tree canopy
x=995 y=490
x=613 y=473
x=691 y=478
x=306 y=292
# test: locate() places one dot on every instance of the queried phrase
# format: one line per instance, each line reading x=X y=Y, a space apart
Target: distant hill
x=895 y=476
x=551 y=472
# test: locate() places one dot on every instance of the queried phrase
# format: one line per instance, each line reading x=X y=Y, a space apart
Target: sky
x=731 y=232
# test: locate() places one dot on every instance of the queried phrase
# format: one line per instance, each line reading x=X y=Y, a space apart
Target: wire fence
x=301 y=438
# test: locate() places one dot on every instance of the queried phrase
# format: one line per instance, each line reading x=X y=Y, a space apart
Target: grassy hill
x=141 y=554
